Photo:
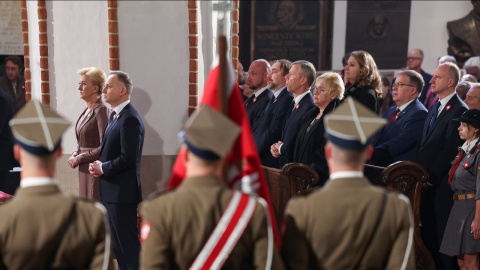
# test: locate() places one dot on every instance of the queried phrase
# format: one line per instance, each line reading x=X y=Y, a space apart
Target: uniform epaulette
x=157 y=193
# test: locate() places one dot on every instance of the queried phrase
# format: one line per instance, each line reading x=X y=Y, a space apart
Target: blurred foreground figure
x=41 y=228
x=349 y=224
x=183 y=228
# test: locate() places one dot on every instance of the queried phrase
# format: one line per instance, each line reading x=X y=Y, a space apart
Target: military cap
x=210 y=134
x=471 y=117
x=38 y=129
x=352 y=125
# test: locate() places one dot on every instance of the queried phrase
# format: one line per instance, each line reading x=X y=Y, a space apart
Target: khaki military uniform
x=32 y=219
x=181 y=222
x=325 y=229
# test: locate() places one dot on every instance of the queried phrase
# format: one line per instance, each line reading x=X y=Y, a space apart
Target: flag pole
x=222 y=46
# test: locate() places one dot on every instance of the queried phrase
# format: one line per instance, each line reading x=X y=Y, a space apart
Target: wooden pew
x=292 y=179
x=406 y=177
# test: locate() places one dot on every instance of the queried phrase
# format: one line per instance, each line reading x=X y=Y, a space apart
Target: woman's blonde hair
x=333 y=82
x=96 y=75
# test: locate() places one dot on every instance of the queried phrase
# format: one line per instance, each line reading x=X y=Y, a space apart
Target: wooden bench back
x=292 y=179
x=407 y=178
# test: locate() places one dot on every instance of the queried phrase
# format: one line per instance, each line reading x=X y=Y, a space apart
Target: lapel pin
x=466 y=165
x=275 y=100
x=448 y=107
x=254 y=100
x=298 y=106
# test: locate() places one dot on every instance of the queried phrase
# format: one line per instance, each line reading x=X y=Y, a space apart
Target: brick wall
x=43 y=43
x=113 y=49
x=26 y=52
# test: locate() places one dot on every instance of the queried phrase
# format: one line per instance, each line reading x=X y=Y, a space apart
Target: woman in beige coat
x=89 y=130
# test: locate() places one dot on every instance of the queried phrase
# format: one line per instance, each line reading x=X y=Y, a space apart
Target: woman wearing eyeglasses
x=462 y=233
x=310 y=142
x=366 y=85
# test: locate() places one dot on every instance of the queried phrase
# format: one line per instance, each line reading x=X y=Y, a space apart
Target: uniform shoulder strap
x=363 y=248
x=59 y=235
x=227 y=232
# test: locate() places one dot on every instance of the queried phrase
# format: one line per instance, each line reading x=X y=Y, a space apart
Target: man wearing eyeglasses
x=397 y=141
x=473 y=96
x=414 y=62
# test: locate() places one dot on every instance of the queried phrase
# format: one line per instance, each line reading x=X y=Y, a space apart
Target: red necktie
x=455 y=166
x=393 y=116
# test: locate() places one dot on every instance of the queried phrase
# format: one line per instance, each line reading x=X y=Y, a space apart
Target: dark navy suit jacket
x=256 y=106
x=291 y=127
x=268 y=130
x=398 y=140
x=121 y=154
x=438 y=146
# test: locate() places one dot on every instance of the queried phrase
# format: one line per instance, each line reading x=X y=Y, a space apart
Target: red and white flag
x=244 y=172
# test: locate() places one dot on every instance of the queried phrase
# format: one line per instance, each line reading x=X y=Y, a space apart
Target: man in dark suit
x=119 y=168
x=6 y=141
x=397 y=141
x=299 y=81
x=268 y=130
x=13 y=83
x=414 y=62
x=464 y=35
x=360 y=226
x=435 y=151
x=41 y=228
x=257 y=81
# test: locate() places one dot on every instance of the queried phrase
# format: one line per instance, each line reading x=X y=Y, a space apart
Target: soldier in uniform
x=349 y=224
x=185 y=227
x=40 y=227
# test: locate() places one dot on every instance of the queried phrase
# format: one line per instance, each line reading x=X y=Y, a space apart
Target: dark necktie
x=111 y=117
x=434 y=116
x=393 y=116
x=269 y=104
x=250 y=100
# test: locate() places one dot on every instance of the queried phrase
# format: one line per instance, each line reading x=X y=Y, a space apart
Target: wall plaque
x=380 y=28
x=294 y=30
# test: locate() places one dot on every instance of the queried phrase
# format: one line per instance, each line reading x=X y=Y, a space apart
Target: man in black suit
x=435 y=151
x=119 y=168
x=6 y=141
x=257 y=81
x=299 y=81
x=414 y=62
x=268 y=130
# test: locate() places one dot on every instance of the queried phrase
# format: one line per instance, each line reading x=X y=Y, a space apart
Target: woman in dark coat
x=310 y=142
x=462 y=233
x=361 y=71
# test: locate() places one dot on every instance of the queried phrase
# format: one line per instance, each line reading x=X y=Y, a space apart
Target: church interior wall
x=428 y=29
x=154 y=50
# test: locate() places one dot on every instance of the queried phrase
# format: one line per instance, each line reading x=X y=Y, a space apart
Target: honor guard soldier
x=349 y=224
x=203 y=224
x=40 y=227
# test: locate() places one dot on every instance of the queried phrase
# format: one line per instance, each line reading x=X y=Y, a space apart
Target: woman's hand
x=73 y=161
x=475 y=228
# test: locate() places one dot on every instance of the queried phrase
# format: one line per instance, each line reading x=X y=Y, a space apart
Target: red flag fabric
x=245 y=172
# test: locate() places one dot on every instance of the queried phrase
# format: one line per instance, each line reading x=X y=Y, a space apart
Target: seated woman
x=462 y=233
x=310 y=142
x=362 y=73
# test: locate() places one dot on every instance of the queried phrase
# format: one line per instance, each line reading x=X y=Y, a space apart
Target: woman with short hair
x=89 y=130
x=310 y=141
